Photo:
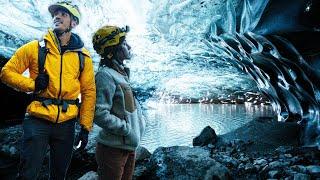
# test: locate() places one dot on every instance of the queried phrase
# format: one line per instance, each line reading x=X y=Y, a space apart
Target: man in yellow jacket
x=51 y=116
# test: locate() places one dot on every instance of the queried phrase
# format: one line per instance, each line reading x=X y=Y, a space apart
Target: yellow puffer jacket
x=64 y=83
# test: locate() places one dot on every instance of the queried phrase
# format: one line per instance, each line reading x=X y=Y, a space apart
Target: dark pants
x=114 y=164
x=37 y=135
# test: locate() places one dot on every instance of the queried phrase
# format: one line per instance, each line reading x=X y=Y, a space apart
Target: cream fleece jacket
x=117 y=112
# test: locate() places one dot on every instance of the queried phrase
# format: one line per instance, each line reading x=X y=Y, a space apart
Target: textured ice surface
x=190 y=48
x=166 y=36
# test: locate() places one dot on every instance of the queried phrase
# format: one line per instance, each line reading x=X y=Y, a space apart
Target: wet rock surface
x=265 y=135
x=183 y=163
x=9 y=151
x=230 y=162
x=254 y=151
x=262 y=149
x=207 y=136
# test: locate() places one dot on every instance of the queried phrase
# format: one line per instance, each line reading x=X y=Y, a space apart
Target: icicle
x=246 y=16
x=213 y=26
x=231 y=18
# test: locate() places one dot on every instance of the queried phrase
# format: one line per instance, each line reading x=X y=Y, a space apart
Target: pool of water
x=178 y=124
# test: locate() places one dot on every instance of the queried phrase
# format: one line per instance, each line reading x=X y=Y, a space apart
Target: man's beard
x=59 y=32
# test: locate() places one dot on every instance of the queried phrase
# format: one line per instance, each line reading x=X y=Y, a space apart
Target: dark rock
x=264 y=170
x=142 y=153
x=296 y=160
x=81 y=163
x=314 y=150
x=237 y=142
x=10 y=151
x=10 y=141
x=211 y=146
x=300 y=176
x=207 y=135
x=241 y=167
x=289 y=172
x=220 y=143
x=139 y=169
x=311 y=153
x=299 y=169
x=314 y=170
x=217 y=172
x=183 y=163
x=277 y=164
x=288 y=155
x=243 y=159
x=258 y=168
x=226 y=160
x=261 y=162
x=265 y=135
x=142 y=158
x=250 y=168
x=284 y=149
x=274 y=174
x=91 y=175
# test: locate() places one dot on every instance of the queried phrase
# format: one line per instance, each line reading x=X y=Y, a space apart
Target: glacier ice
x=193 y=49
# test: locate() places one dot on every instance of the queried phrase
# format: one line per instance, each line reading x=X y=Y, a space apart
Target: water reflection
x=178 y=124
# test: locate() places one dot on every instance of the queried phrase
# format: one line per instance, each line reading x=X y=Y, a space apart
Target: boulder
x=181 y=162
x=266 y=135
x=314 y=170
x=207 y=136
x=300 y=176
x=142 y=153
x=91 y=175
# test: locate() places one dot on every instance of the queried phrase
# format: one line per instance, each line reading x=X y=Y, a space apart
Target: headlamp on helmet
x=108 y=36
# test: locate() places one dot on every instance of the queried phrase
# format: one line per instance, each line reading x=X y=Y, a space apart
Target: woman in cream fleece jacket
x=118 y=113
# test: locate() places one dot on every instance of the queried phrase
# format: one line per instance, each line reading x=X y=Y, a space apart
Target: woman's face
x=124 y=51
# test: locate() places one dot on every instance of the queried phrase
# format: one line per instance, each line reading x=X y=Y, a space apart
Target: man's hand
x=41 y=82
x=83 y=138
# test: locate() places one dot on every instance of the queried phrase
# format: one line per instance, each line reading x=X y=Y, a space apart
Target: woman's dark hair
x=105 y=61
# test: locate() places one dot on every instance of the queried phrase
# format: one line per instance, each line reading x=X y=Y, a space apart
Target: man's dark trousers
x=37 y=135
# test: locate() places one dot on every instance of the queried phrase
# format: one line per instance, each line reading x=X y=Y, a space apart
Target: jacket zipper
x=60 y=88
x=61 y=55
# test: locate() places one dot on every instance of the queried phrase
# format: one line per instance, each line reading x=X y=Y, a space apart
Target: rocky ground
x=262 y=149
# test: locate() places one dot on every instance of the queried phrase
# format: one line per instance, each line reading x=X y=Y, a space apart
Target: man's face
x=61 y=20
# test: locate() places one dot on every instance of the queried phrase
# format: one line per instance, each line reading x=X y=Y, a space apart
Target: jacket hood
x=75 y=44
